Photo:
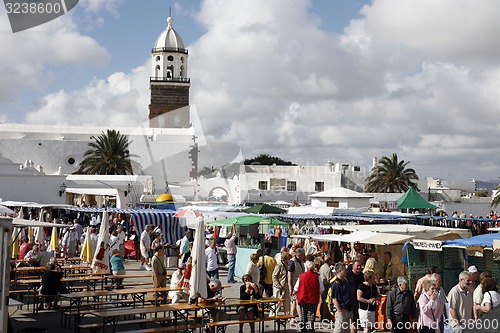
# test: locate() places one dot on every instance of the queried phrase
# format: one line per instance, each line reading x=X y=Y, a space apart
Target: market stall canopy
x=27 y=223
x=485 y=240
x=112 y=192
x=366 y=237
x=419 y=231
x=411 y=199
x=247 y=220
x=6 y=211
x=264 y=209
x=11 y=203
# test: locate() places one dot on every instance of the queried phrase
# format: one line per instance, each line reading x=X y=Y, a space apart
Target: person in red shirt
x=24 y=248
x=308 y=288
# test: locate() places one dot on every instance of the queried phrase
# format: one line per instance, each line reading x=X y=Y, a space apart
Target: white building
x=162 y=148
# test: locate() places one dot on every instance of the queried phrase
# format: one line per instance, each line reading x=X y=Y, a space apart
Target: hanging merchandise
x=223 y=232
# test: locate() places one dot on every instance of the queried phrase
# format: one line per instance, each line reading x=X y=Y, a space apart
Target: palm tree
x=496 y=199
x=109 y=155
x=391 y=176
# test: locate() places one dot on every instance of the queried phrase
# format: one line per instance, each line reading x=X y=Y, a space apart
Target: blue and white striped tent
x=169 y=224
x=140 y=218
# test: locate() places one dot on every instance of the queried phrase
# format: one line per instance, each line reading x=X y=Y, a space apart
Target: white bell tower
x=169 y=83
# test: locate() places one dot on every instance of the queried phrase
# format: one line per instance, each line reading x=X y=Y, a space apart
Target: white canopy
x=366 y=237
x=93 y=191
x=11 y=203
x=26 y=223
x=418 y=231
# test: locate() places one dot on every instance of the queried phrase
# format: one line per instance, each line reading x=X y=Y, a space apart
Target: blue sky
x=308 y=81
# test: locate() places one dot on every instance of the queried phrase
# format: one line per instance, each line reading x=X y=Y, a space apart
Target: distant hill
x=487 y=186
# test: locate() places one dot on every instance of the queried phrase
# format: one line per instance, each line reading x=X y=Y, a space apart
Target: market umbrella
x=16 y=232
x=188 y=213
x=264 y=209
x=198 y=278
x=54 y=240
x=15 y=242
x=100 y=262
x=246 y=220
x=86 y=253
x=188 y=217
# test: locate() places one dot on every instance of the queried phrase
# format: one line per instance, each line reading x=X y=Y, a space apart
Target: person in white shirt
x=231 y=249
x=94 y=238
x=177 y=280
x=70 y=242
x=491 y=298
x=121 y=239
x=114 y=242
x=211 y=257
x=145 y=245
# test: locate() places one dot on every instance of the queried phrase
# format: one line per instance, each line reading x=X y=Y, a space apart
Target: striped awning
x=140 y=218
x=169 y=224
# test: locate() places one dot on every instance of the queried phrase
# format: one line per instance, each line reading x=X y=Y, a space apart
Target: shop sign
x=428 y=245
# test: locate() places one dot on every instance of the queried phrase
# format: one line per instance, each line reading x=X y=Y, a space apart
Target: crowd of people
x=310 y=285
x=350 y=295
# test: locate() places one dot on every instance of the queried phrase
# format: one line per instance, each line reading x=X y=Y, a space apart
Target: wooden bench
x=88 y=307
x=19 y=292
x=279 y=321
x=189 y=327
x=129 y=284
x=94 y=327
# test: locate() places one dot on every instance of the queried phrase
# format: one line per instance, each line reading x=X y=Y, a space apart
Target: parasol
x=100 y=262
x=198 y=278
x=86 y=252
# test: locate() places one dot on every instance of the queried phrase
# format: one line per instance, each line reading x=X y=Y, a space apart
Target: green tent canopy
x=411 y=199
x=246 y=220
x=264 y=209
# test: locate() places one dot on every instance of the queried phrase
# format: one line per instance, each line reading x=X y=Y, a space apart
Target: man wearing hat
x=177 y=281
x=474 y=274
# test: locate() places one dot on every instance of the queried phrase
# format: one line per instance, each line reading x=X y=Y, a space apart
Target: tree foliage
x=391 y=176
x=264 y=159
x=496 y=198
x=109 y=155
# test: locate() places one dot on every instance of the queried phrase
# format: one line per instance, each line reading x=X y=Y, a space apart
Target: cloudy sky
x=307 y=81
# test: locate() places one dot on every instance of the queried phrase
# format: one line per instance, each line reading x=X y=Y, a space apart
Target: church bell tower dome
x=169 y=38
x=169 y=83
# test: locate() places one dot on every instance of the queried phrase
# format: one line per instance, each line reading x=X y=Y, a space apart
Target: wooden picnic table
x=180 y=311
x=113 y=279
x=27 y=270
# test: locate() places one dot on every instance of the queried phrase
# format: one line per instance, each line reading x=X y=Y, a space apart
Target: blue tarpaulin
x=485 y=240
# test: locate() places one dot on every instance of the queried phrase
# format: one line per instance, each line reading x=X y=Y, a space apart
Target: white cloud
x=122 y=100
x=415 y=77
x=96 y=6
x=31 y=52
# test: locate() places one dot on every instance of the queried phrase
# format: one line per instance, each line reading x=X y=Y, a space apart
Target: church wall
x=35 y=188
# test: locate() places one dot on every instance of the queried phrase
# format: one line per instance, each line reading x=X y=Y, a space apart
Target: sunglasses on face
x=247 y=280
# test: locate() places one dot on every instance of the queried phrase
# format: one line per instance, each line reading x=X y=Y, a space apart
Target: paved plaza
x=50 y=320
